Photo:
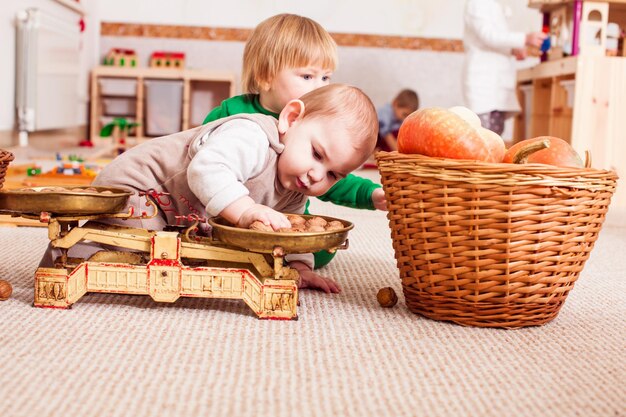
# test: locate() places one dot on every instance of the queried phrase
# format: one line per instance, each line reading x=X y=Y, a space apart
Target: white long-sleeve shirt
x=489 y=71
x=224 y=160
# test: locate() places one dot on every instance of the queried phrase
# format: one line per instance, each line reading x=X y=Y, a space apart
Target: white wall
x=381 y=72
x=8 y=12
x=423 y=18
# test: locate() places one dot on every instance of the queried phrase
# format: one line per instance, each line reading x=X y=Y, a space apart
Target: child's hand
x=310 y=279
x=266 y=215
x=535 y=38
x=519 y=53
x=379 y=200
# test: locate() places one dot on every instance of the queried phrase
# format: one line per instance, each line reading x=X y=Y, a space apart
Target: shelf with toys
x=578 y=91
x=156 y=100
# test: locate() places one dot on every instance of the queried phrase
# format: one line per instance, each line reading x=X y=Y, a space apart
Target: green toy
x=118 y=129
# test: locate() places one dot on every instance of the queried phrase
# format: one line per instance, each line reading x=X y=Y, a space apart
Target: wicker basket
x=493 y=245
x=5 y=158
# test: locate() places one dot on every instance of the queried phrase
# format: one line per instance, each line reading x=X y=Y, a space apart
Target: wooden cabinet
x=580 y=98
x=547 y=93
x=125 y=92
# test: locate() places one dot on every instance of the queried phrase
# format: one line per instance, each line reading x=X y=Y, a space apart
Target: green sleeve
x=216 y=113
x=245 y=103
x=352 y=191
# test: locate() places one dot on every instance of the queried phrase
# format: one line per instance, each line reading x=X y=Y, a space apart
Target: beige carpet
x=119 y=355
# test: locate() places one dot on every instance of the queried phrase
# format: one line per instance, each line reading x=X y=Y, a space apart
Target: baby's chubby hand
x=313 y=280
x=379 y=200
x=264 y=214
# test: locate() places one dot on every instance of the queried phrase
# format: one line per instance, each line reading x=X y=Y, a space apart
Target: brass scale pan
x=68 y=201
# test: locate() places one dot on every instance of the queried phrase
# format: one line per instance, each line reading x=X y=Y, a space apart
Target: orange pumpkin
x=449 y=133
x=548 y=150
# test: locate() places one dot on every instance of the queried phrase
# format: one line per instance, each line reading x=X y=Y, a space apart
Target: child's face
x=293 y=83
x=401 y=113
x=317 y=154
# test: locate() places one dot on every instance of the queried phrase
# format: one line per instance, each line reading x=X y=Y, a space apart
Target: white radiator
x=47 y=72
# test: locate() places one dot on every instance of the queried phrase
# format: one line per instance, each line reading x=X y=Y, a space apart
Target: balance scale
x=233 y=263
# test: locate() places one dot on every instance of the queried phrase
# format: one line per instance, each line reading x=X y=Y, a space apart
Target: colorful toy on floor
x=73 y=166
x=33 y=170
x=119 y=129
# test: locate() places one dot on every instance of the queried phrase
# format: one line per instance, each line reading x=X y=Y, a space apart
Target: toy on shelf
x=557 y=25
x=165 y=59
x=234 y=263
x=120 y=57
x=613 y=35
x=581 y=27
x=547 y=42
x=593 y=25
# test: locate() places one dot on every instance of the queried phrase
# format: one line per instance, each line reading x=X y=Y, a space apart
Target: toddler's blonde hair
x=349 y=106
x=285 y=41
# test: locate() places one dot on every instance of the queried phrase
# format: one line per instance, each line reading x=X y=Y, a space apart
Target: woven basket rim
x=6 y=156
x=501 y=174
x=463 y=163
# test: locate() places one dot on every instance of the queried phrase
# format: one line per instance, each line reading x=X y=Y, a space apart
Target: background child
x=285 y=57
x=391 y=116
x=249 y=167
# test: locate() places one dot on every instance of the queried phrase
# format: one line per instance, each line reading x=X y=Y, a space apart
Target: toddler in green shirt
x=285 y=57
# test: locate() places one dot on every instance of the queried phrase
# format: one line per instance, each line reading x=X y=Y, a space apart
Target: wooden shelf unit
x=585 y=19
x=220 y=85
x=549 y=4
x=594 y=117
x=545 y=109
